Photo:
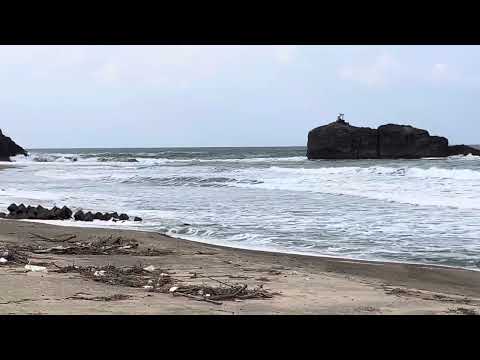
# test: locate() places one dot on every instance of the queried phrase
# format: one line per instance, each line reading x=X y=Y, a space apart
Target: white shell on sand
x=99 y=273
x=149 y=268
x=173 y=289
x=3 y=260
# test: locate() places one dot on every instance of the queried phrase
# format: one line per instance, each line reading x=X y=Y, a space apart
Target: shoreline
x=303 y=284
x=272 y=251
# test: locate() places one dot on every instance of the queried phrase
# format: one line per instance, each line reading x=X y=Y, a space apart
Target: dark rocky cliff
x=404 y=141
x=340 y=140
x=9 y=148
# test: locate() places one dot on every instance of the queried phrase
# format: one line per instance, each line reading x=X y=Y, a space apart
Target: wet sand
x=304 y=284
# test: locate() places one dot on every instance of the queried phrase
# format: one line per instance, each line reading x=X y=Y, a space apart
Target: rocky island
x=340 y=140
x=9 y=148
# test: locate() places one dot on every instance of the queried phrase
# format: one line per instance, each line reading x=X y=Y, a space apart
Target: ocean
x=418 y=211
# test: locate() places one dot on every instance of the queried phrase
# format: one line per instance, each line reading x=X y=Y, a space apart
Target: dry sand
x=306 y=284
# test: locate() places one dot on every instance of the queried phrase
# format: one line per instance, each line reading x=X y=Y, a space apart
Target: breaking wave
x=189 y=181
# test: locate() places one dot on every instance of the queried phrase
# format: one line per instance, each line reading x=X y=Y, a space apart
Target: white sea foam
x=415 y=172
x=415 y=186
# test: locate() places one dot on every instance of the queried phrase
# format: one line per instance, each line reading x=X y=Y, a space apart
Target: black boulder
x=79 y=216
x=123 y=217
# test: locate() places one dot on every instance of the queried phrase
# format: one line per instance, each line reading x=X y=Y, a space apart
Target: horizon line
x=163 y=147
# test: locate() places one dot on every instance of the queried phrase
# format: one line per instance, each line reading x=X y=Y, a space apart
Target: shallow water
x=422 y=211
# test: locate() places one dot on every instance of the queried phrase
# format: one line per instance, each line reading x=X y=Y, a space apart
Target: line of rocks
x=40 y=213
x=89 y=216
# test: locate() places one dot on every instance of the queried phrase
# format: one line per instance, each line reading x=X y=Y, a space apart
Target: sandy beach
x=297 y=284
x=240 y=180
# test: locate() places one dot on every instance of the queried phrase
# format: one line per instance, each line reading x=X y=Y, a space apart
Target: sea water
x=420 y=211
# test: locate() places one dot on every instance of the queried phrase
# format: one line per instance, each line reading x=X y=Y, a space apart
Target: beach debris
x=199 y=298
x=134 y=276
x=222 y=293
x=115 y=297
x=161 y=282
x=463 y=311
x=225 y=292
x=35 y=268
x=111 y=245
x=103 y=246
x=3 y=260
x=99 y=273
x=13 y=255
x=150 y=268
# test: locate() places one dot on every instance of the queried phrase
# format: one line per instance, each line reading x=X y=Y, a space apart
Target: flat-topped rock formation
x=340 y=140
x=9 y=148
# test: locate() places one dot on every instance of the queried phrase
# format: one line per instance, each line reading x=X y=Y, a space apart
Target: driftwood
x=115 y=297
x=158 y=281
x=98 y=246
x=69 y=237
x=233 y=292
x=13 y=255
x=198 y=298
x=135 y=276
x=220 y=282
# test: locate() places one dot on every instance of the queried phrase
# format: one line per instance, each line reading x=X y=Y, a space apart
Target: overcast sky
x=147 y=96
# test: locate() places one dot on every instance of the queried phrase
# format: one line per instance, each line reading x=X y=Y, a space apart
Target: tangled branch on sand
x=115 y=297
x=148 y=278
x=231 y=292
x=155 y=280
x=463 y=311
x=99 y=246
x=12 y=256
x=134 y=276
